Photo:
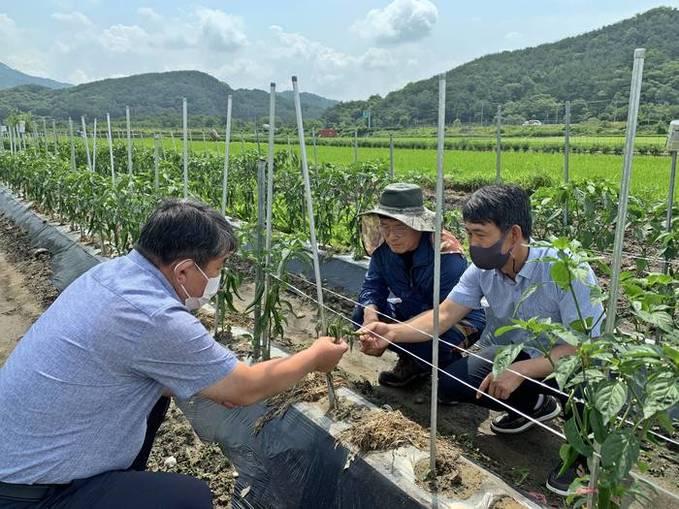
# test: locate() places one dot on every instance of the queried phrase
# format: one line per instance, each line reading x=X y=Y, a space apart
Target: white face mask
x=211 y=289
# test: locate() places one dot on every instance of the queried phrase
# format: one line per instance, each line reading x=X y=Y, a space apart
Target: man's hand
x=500 y=387
x=372 y=337
x=327 y=353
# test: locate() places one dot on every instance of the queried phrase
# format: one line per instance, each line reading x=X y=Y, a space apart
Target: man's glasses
x=396 y=231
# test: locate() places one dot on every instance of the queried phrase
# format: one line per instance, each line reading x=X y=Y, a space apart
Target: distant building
x=327 y=133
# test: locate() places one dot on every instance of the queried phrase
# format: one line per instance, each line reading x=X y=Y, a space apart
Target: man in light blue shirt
x=77 y=393
x=505 y=266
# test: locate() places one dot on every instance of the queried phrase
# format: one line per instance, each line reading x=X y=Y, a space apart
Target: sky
x=344 y=50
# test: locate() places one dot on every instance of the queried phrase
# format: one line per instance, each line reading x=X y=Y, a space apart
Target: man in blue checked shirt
x=498 y=222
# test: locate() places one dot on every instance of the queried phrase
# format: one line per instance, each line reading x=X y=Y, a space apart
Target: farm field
x=650 y=174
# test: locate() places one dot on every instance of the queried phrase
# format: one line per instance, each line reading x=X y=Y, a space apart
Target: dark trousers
x=473 y=370
x=133 y=488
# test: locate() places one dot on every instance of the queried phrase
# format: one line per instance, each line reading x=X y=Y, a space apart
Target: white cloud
x=221 y=31
x=513 y=35
x=149 y=14
x=124 y=38
x=8 y=26
x=75 y=18
x=377 y=58
x=400 y=21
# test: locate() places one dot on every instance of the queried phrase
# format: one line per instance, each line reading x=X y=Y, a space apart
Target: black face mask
x=492 y=257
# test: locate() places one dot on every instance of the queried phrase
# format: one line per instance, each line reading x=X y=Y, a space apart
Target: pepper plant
x=619 y=385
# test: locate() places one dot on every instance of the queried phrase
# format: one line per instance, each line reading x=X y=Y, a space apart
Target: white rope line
x=470 y=386
x=473 y=354
x=475 y=389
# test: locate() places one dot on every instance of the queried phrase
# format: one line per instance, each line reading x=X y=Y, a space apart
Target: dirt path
x=18 y=307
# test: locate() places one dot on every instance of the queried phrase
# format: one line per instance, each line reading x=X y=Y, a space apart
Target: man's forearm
x=248 y=384
x=420 y=328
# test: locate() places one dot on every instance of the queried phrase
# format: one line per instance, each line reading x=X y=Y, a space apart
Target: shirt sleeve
x=467 y=292
x=569 y=310
x=179 y=353
x=374 y=289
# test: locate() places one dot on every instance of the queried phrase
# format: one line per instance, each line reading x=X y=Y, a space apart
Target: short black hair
x=180 y=229
x=500 y=204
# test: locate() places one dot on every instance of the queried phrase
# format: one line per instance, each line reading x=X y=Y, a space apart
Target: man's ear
x=180 y=271
x=517 y=234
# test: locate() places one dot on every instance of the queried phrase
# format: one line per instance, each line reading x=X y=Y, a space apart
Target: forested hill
x=157 y=98
x=592 y=70
x=12 y=78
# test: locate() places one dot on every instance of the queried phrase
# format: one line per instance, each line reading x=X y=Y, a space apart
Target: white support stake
x=110 y=149
x=566 y=156
x=185 y=119
x=94 y=146
x=391 y=157
x=437 y=273
x=670 y=204
x=87 y=145
x=312 y=226
x=630 y=134
x=129 y=140
x=227 y=148
x=266 y=343
x=70 y=135
x=498 y=146
x=56 y=139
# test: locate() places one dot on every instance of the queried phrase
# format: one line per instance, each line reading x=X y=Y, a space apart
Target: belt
x=30 y=492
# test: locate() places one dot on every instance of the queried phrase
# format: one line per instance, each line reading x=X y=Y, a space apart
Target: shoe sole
x=556 y=490
x=529 y=424
x=405 y=383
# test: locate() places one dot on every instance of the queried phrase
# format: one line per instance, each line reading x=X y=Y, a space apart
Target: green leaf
x=568 y=455
x=619 y=452
x=564 y=369
x=596 y=422
x=568 y=336
x=505 y=357
x=672 y=353
x=507 y=328
x=662 y=392
x=573 y=436
x=609 y=399
x=561 y=274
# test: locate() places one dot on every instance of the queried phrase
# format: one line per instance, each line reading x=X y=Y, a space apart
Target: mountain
x=592 y=70
x=157 y=98
x=12 y=78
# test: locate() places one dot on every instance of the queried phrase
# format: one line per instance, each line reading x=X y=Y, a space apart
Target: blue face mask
x=491 y=257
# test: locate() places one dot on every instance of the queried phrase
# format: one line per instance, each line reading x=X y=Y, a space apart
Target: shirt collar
x=140 y=260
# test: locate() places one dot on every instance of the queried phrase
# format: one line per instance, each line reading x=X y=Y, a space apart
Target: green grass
x=650 y=174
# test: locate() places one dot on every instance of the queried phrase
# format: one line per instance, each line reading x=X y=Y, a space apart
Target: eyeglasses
x=396 y=231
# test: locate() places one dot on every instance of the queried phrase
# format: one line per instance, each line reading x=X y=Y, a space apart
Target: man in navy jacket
x=399 y=285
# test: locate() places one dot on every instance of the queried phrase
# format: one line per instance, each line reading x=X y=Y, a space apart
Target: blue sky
x=341 y=49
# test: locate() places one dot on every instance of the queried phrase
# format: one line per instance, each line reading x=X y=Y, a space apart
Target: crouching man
x=83 y=393
x=399 y=284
